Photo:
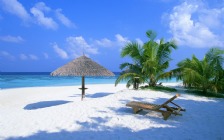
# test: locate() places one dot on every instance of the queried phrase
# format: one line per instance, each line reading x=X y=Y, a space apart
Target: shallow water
x=37 y=79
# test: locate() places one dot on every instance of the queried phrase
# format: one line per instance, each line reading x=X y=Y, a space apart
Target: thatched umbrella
x=82 y=66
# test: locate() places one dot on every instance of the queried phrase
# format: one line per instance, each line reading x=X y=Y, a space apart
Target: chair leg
x=166 y=115
x=136 y=109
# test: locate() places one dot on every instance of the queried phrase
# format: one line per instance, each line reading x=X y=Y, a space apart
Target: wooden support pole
x=83 y=87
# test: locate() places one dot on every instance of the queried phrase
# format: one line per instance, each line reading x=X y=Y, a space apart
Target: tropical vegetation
x=206 y=75
x=149 y=61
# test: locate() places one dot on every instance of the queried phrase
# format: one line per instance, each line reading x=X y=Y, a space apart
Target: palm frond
x=149 y=60
x=151 y=34
x=134 y=50
x=164 y=51
x=126 y=77
x=125 y=65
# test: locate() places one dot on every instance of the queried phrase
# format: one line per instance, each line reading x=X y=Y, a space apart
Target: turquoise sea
x=40 y=79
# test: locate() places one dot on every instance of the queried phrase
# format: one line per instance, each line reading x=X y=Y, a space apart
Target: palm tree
x=149 y=61
x=135 y=51
x=207 y=74
x=158 y=58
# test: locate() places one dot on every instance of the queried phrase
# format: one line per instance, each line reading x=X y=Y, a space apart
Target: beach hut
x=82 y=66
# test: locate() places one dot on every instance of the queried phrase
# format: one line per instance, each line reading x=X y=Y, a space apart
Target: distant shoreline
x=34 y=73
x=173 y=84
x=10 y=80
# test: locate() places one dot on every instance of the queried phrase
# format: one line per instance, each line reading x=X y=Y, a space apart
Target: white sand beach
x=57 y=113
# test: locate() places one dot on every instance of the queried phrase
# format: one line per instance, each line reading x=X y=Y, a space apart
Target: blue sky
x=40 y=36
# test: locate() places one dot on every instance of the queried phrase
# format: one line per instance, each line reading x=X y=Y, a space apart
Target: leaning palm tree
x=206 y=74
x=132 y=70
x=149 y=61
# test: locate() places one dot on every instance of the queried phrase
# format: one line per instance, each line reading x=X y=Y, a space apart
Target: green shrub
x=201 y=93
x=159 y=88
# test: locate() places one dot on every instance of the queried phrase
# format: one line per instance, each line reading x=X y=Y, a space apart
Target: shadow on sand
x=98 y=95
x=44 y=104
x=192 y=125
x=95 y=95
x=96 y=130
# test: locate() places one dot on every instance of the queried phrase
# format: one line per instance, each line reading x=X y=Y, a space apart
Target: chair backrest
x=171 y=99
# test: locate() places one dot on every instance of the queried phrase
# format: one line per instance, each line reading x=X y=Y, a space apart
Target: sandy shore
x=57 y=113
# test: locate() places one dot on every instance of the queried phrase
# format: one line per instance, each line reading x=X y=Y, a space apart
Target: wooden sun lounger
x=138 y=106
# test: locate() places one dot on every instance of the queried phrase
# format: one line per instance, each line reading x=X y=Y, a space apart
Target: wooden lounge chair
x=163 y=108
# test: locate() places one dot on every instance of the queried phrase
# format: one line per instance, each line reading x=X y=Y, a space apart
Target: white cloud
x=63 y=19
x=78 y=46
x=7 y=55
x=139 y=41
x=42 y=7
x=13 y=39
x=194 y=25
x=46 y=56
x=23 y=57
x=63 y=54
x=104 y=42
x=120 y=40
x=16 y=8
x=38 y=12
x=33 y=57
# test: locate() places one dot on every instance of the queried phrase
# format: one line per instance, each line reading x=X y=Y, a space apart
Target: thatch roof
x=82 y=66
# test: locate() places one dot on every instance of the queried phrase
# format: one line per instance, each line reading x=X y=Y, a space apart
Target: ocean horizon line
x=43 y=79
x=34 y=73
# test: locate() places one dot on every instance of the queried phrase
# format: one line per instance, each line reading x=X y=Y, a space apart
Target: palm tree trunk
x=204 y=90
x=152 y=81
